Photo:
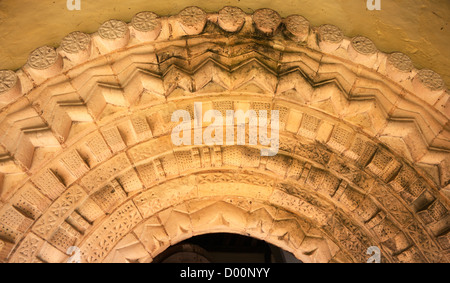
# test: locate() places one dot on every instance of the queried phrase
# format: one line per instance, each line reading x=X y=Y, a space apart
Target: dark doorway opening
x=225 y=248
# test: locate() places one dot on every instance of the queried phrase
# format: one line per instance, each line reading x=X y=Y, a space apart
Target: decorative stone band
x=147 y=26
x=293 y=34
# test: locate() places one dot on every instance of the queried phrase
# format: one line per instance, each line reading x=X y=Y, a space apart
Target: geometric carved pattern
x=97 y=168
x=145 y=21
x=42 y=57
x=75 y=42
x=7 y=80
x=112 y=29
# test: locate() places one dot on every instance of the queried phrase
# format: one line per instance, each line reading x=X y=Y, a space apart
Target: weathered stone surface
x=192 y=20
x=297 y=28
x=43 y=58
x=87 y=158
x=10 y=88
x=231 y=19
x=147 y=26
x=113 y=34
x=77 y=46
x=330 y=38
x=267 y=20
x=43 y=63
x=399 y=67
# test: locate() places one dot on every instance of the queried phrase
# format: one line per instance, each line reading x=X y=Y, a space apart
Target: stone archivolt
x=86 y=157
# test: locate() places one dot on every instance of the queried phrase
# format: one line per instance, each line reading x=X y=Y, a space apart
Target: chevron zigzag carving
x=365 y=142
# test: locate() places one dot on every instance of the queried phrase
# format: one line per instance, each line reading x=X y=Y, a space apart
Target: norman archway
x=87 y=160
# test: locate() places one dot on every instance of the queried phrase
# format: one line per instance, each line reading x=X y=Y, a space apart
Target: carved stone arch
x=238 y=215
x=364 y=138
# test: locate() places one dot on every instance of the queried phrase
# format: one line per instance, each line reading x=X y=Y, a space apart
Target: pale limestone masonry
x=86 y=157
